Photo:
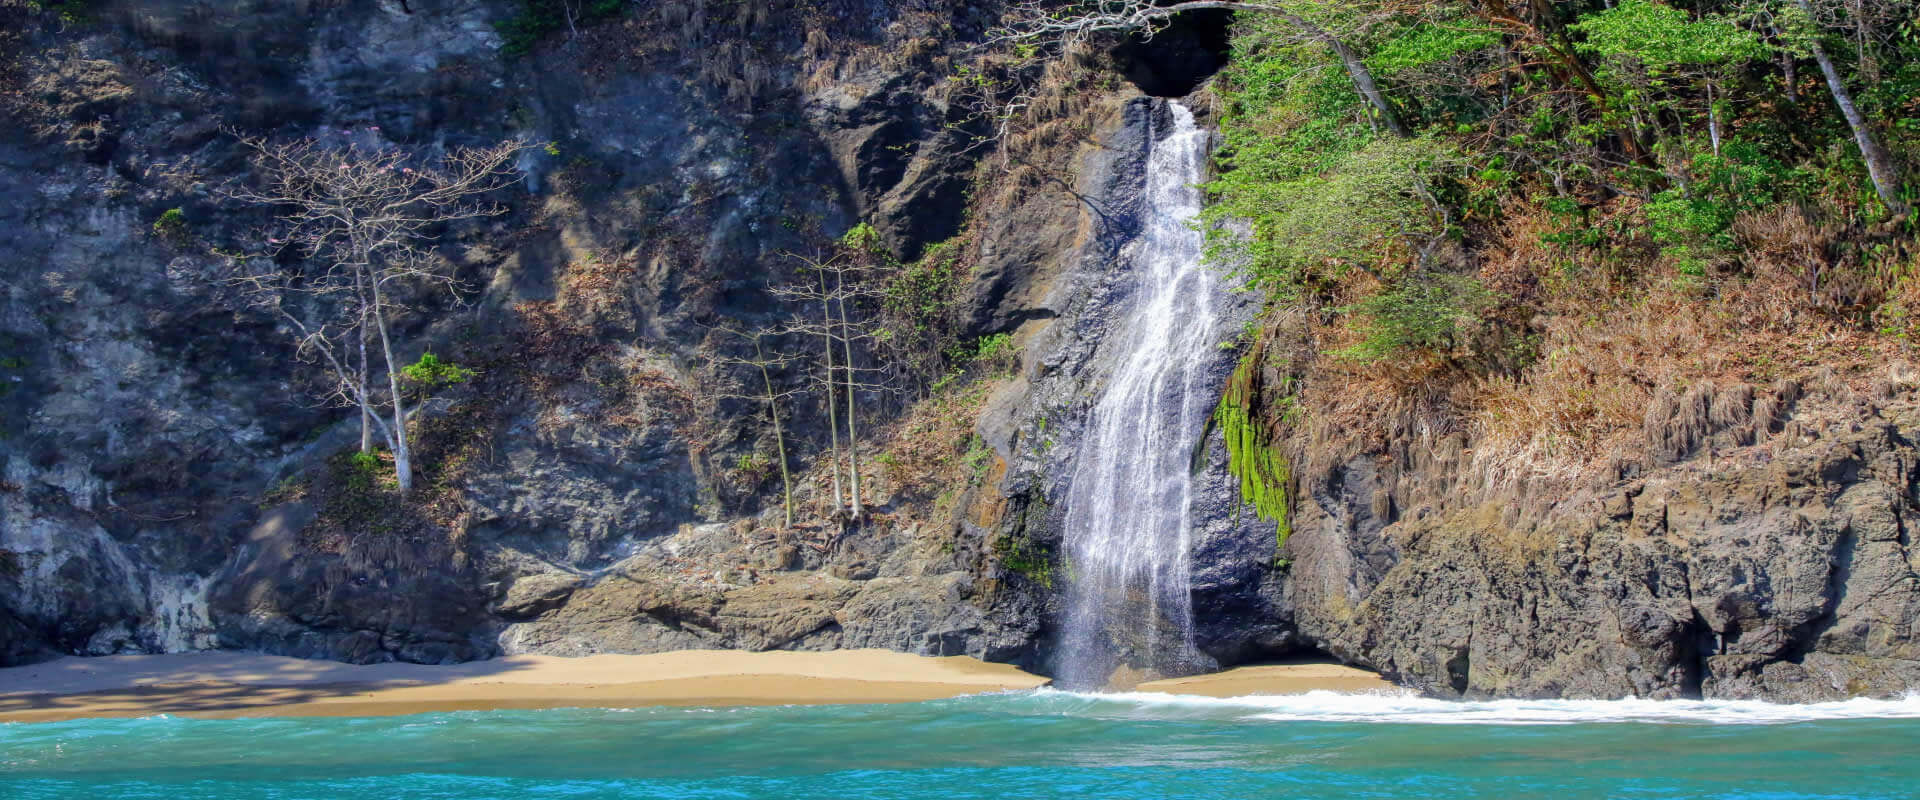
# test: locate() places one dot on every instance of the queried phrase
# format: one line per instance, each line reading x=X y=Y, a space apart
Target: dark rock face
x=149 y=412
x=1777 y=569
x=152 y=417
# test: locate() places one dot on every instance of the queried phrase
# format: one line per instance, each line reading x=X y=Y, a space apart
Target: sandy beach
x=1273 y=679
x=227 y=684
x=224 y=684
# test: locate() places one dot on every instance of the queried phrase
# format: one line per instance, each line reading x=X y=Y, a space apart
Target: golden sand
x=245 y=685
x=1272 y=679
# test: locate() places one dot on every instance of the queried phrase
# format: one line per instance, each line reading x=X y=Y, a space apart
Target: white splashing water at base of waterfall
x=1129 y=504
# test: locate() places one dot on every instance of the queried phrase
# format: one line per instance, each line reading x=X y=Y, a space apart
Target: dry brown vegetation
x=1628 y=368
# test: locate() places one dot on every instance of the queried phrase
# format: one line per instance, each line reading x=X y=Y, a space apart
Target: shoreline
x=224 y=684
x=228 y=685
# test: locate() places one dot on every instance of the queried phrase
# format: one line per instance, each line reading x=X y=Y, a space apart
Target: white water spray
x=1130 y=500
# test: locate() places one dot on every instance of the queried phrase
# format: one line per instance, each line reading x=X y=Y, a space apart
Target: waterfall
x=1130 y=500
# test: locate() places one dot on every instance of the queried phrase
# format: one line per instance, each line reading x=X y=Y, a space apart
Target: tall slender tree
x=1881 y=168
x=841 y=286
x=764 y=364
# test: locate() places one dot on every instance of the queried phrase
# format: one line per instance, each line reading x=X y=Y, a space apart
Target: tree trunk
x=1713 y=120
x=833 y=419
x=853 y=432
x=360 y=332
x=1788 y=71
x=1357 y=70
x=402 y=453
x=779 y=438
x=1880 y=168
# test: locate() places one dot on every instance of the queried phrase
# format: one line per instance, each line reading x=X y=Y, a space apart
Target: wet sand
x=247 y=685
x=1273 y=679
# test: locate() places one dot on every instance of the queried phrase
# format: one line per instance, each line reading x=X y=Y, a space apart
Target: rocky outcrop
x=1759 y=552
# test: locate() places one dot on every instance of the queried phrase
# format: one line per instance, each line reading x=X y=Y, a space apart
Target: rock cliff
x=170 y=483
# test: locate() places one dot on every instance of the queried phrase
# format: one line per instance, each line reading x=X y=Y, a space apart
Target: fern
x=1252 y=457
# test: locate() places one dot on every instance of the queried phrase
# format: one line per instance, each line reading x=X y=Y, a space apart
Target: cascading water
x=1130 y=499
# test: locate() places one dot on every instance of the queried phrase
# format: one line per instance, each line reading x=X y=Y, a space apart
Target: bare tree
x=805 y=294
x=361 y=219
x=765 y=363
x=840 y=286
x=1072 y=24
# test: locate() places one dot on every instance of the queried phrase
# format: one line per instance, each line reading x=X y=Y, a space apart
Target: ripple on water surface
x=1013 y=745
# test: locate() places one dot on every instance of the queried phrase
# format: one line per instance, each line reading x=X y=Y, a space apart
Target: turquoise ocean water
x=1016 y=745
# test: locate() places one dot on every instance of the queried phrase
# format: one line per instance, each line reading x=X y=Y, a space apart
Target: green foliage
x=1427 y=313
x=1420 y=46
x=1373 y=202
x=431 y=373
x=1691 y=222
x=1662 y=40
x=70 y=12
x=863 y=238
x=978 y=459
x=1291 y=114
x=1625 y=129
x=360 y=471
x=538 y=19
x=1252 y=457
x=171 y=225
x=995 y=352
x=919 y=297
x=1026 y=558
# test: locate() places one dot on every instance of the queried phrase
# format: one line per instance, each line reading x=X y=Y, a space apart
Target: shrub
x=361 y=471
x=430 y=373
x=1426 y=313
x=171 y=226
x=863 y=238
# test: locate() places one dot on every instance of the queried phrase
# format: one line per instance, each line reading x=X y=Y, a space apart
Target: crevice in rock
x=1696 y=643
x=1180 y=57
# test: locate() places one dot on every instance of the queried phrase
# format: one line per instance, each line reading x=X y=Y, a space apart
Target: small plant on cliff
x=431 y=373
x=362 y=471
x=1026 y=558
x=171 y=226
x=979 y=459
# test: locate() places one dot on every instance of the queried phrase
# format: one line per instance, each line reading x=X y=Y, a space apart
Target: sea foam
x=1409 y=708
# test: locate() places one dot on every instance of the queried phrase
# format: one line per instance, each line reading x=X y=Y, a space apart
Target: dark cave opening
x=1180 y=57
